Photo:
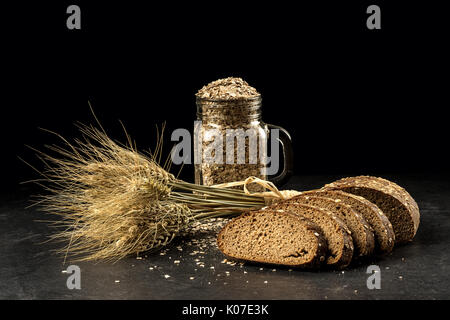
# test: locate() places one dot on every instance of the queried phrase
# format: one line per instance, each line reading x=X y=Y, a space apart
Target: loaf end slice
x=273 y=237
x=402 y=193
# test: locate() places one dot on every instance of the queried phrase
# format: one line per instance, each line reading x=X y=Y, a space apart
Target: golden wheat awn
x=114 y=201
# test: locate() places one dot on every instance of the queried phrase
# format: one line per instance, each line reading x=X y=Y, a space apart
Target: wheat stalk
x=114 y=201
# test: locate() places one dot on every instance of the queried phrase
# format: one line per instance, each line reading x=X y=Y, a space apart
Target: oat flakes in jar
x=231 y=141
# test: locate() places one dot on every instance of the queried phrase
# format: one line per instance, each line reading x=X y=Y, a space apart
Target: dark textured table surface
x=419 y=270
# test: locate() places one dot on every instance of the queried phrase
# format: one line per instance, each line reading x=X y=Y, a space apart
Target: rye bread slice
x=273 y=237
x=338 y=236
x=401 y=210
x=401 y=192
x=379 y=223
x=363 y=238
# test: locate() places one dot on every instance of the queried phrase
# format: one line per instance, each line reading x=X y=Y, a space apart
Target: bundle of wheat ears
x=114 y=201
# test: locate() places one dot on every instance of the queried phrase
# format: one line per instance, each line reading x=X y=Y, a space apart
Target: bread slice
x=379 y=223
x=363 y=238
x=273 y=237
x=338 y=236
x=401 y=192
x=399 y=207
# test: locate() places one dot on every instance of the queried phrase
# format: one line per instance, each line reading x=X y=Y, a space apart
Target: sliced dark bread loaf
x=338 y=236
x=363 y=238
x=401 y=192
x=401 y=211
x=275 y=238
x=379 y=223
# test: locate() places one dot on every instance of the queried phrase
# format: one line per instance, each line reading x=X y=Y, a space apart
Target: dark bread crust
x=362 y=234
x=401 y=192
x=380 y=224
x=345 y=252
x=401 y=201
x=316 y=260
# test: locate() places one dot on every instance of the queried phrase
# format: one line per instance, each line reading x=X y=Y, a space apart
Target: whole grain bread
x=379 y=223
x=338 y=236
x=362 y=234
x=273 y=237
x=401 y=192
x=399 y=207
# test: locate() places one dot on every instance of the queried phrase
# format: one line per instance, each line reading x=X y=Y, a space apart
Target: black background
x=356 y=101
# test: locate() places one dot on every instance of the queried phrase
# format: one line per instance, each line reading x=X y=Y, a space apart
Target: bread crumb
x=166 y=276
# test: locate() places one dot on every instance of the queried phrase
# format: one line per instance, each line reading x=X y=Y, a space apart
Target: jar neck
x=229 y=112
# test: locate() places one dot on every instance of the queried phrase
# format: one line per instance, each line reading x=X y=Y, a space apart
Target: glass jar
x=231 y=143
